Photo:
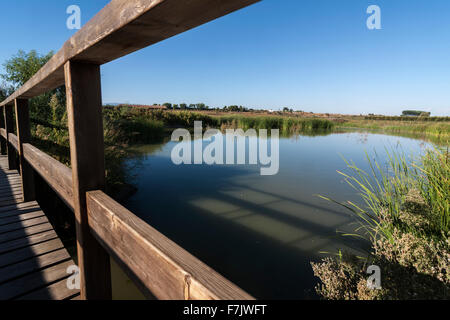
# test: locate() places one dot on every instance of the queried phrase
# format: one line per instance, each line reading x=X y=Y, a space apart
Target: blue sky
x=308 y=55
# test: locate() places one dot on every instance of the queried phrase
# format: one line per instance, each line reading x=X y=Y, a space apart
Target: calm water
x=261 y=232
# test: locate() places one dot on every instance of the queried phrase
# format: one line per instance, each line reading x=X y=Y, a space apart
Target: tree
x=201 y=106
x=183 y=106
x=19 y=69
x=22 y=66
x=415 y=113
x=5 y=91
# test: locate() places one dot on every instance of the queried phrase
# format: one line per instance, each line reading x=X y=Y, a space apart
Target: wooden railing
x=104 y=228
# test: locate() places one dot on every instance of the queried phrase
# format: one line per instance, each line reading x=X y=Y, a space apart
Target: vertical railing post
x=84 y=109
x=24 y=136
x=9 y=127
x=2 y=126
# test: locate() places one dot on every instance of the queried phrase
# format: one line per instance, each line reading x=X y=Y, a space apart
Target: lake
x=261 y=232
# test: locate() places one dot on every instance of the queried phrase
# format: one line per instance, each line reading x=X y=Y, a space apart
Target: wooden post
x=84 y=109
x=9 y=127
x=24 y=136
x=2 y=126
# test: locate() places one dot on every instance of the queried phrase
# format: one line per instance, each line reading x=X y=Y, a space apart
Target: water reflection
x=261 y=232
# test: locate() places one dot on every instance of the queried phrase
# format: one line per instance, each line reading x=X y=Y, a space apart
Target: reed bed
x=404 y=214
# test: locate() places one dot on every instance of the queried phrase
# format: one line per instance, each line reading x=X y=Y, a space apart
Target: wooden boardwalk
x=33 y=260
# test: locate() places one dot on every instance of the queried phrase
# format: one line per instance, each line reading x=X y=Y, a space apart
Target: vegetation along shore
x=406 y=219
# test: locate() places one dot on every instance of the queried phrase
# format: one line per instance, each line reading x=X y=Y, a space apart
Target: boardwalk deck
x=33 y=260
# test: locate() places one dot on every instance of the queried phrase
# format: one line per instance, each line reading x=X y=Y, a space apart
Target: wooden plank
x=19 y=207
x=7 y=202
x=15 y=198
x=14 y=188
x=12 y=174
x=12 y=184
x=17 y=195
x=16 y=288
x=6 y=172
x=123 y=27
x=21 y=217
x=56 y=291
x=9 y=180
x=20 y=234
x=31 y=252
x=14 y=192
x=154 y=262
x=24 y=136
x=18 y=212
x=9 y=123
x=57 y=175
x=25 y=267
x=26 y=242
x=84 y=109
x=23 y=224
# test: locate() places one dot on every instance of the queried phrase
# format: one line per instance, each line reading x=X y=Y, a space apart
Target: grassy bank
x=286 y=125
x=186 y=119
x=438 y=131
x=406 y=218
x=435 y=129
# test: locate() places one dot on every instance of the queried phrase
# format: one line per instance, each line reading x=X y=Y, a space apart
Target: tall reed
x=385 y=189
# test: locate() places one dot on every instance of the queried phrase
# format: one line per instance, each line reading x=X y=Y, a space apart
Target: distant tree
x=200 y=106
x=167 y=105
x=233 y=108
x=183 y=106
x=416 y=113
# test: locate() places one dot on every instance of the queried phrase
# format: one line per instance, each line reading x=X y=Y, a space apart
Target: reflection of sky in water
x=261 y=232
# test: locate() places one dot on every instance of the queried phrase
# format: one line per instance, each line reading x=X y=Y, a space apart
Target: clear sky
x=311 y=55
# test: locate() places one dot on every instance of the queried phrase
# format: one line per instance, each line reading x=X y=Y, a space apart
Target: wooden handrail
x=157 y=265
x=13 y=141
x=122 y=27
x=56 y=174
